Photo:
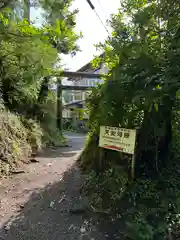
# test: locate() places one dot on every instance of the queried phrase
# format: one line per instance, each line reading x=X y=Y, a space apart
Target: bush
x=150 y=209
x=51 y=136
x=34 y=134
x=106 y=187
x=14 y=147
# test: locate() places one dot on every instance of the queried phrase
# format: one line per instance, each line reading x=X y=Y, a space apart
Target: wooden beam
x=71 y=75
x=80 y=88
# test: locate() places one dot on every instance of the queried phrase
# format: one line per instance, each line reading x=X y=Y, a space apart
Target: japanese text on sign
x=119 y=139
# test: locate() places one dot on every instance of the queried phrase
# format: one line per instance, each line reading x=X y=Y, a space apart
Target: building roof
x=73 y=103
x=88 y=66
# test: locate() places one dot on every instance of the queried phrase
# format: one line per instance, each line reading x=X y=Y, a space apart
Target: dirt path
x=35 y=205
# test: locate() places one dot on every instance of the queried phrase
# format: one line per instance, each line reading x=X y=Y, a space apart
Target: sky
x=92 y=30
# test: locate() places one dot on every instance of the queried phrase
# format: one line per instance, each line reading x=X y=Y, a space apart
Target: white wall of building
x=66 y=113
x=82 y=95
x=88 y=82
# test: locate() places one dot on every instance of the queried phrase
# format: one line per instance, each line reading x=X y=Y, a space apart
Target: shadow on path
x=75 y=144
x=55 y=153
x=46 y=214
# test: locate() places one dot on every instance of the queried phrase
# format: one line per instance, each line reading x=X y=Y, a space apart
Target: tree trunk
x=153 y=141
x=43 y=94
x=59 y=105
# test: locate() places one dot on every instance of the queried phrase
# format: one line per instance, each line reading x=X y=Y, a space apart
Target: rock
x=83 y=230
x=80 y=210
x=66 y=145
x=33 y=160
x=17 y=171
x=33 y=155
x=21 y=206
x=52 y=203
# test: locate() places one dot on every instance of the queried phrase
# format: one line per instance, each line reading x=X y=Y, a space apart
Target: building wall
x=66 y=113
x=82 y=95
x=67 y=96
x=89 y=82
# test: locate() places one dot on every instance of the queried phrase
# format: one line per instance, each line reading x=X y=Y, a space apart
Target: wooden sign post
x=119 y=139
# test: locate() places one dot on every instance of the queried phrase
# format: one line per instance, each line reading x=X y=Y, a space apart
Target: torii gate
x=61 y=87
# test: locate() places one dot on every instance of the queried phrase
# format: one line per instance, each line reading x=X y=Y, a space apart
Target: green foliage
x=34 y=133
x=142 y=84
x=14 y=147
x=106 y=187
x=57 y=14
x=5 y=3
x=51 y=136
x=150 y=209
x=140 y=231
x=27 y=58
x=142 y=90
x=28 y=53
x=156 y=207
x=176 y=136
x=55 y=140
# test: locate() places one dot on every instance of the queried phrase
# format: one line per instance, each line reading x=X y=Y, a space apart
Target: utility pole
x=59 y=104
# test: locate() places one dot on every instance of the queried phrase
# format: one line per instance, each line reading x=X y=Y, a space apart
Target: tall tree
x=57 y=15
x=141 y=90
x=26 y=54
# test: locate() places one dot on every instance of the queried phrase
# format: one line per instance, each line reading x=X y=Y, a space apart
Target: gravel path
x=35 y=204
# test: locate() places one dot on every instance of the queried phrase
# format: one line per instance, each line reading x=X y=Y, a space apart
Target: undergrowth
x=34 y=134
x=149 y=208
x=14 y=147
x=20 y=137
x=55 y=138
x=51 y=136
